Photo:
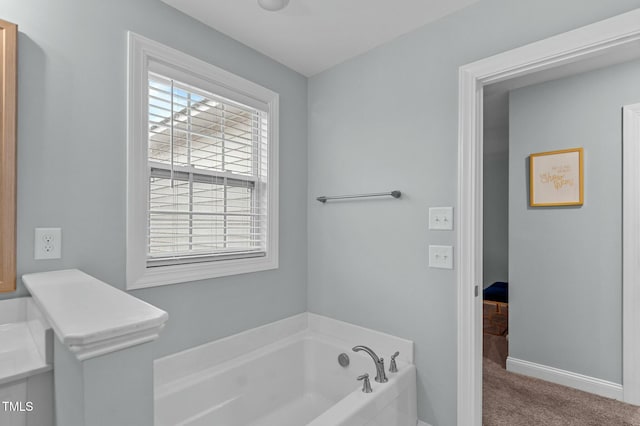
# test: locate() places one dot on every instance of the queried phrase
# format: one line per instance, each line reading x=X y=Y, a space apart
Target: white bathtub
x=286 y=374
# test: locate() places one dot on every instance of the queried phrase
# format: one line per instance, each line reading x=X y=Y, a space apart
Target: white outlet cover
x=441 y=218
x=441 y=257
x=47 y=243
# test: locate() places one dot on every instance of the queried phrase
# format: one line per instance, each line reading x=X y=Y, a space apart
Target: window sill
x=174 y=274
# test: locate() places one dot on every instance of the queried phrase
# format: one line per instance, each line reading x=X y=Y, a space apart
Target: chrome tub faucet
x=381 y=376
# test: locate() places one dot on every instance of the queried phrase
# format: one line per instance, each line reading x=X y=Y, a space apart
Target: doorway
x=598 y=45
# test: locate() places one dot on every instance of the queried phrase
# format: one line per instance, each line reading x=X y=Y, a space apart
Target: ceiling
x=310 y=36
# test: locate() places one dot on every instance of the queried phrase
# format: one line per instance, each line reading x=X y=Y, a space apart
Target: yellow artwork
x=556 y=178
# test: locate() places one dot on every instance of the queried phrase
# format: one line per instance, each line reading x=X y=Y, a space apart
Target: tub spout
x=381 y=376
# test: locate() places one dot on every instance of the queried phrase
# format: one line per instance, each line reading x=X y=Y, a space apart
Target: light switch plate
x=47 y=243
x=441 y=218
x=441 y=257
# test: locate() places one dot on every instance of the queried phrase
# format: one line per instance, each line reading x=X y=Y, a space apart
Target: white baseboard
x=566 y=378
x=421 y=423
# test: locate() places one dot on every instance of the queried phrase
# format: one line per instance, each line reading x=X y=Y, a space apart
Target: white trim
x=608 y=36
x=421 y=423
x=566 y=378
x=469 y=251
x=142 y=52
x=92 y=350
x=631 y=253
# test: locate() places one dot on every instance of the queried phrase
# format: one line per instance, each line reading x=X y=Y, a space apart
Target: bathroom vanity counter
x=23 y=340
x=26 y=361
x=19 y=356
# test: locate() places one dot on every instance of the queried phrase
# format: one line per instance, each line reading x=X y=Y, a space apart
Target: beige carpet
x=496 y=349
x=510 y=399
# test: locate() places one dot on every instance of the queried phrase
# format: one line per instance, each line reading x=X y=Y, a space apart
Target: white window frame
x=142 y=51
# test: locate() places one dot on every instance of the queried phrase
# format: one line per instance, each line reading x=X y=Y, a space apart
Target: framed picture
x=556 y=178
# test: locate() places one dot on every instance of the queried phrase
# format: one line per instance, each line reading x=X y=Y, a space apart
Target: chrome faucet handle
x=366 y=384
x=393 y=367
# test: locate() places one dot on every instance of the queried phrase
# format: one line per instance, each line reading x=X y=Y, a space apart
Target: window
x=207 y=169
x=202 y=170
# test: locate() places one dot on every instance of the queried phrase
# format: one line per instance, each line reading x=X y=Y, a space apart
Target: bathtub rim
x=175 y=367
x=163 y=390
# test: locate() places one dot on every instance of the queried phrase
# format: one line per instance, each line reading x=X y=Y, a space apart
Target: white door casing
x=631 y=254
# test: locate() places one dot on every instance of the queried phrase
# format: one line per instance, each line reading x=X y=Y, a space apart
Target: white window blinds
x=207 y=164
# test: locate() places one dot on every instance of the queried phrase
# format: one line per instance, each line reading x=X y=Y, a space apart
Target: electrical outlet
x=47 y=243
x=441 y=218
x=441 y=257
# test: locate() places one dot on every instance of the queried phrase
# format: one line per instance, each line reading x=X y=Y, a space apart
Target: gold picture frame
x=556 y=178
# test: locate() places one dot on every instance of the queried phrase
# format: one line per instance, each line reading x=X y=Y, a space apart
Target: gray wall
x=72 y=157
x=565 y=263
x=388 y=120
x=495 y=251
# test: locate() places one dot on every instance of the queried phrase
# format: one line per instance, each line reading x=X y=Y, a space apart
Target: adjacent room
x=552 y=306
x=319 y=212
